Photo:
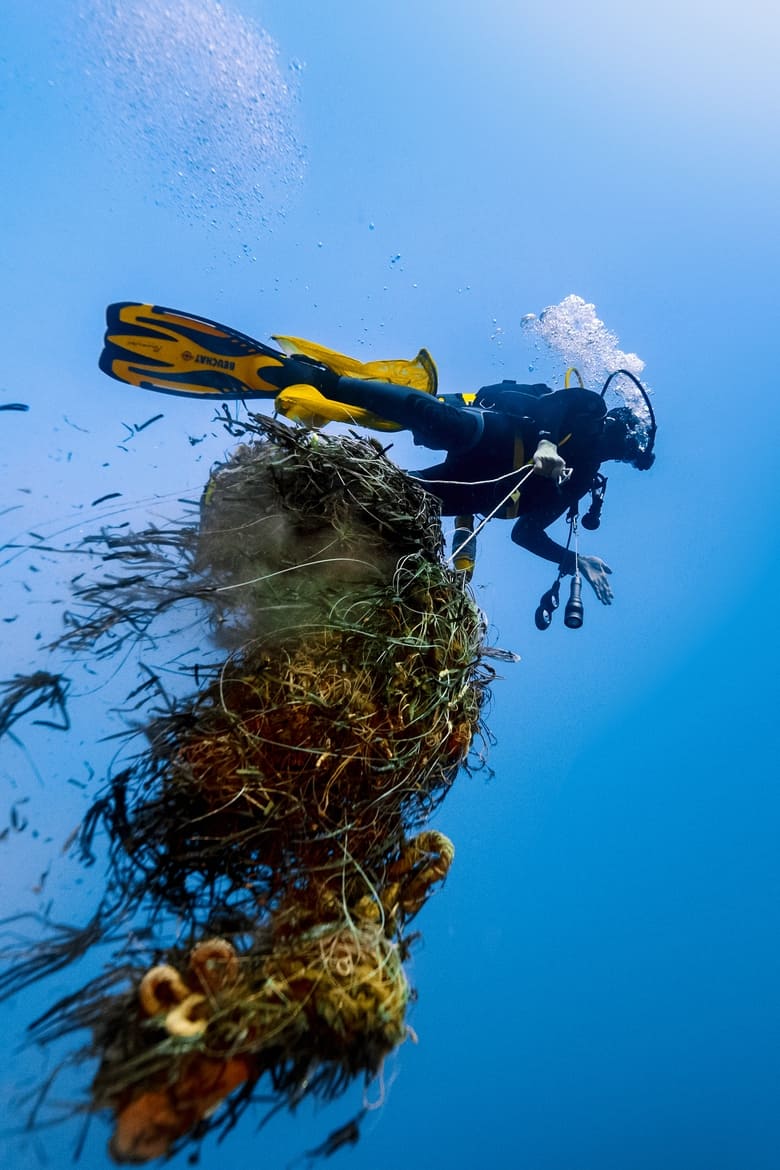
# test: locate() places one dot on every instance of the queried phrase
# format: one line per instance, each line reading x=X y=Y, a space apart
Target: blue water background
x=598 y=979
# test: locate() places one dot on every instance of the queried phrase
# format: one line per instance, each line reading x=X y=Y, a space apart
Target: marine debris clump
x=279 y=809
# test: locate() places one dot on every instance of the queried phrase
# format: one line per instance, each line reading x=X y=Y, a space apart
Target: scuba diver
x=513 y=451
x=558 y=438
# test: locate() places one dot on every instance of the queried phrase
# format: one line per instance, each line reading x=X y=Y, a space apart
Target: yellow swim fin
x=305 y=405
x=161 y=349
x=419 y=374
x=179 y=353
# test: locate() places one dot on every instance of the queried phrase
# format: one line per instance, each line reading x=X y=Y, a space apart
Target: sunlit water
x=196 y=94
x=573 y=333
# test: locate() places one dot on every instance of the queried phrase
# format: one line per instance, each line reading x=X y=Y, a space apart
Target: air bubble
x=573 y=331
x=211 y=112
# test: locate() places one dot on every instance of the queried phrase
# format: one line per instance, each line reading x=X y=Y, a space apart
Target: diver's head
x=626 y=439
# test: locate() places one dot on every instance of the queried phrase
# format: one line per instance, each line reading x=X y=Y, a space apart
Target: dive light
x=574 y=611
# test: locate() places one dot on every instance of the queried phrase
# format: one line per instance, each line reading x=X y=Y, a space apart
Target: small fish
x=142 y=426
x=499 y=654
x=345 y=1135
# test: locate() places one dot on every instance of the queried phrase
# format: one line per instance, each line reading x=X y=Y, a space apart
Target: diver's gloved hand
x=595 y=572
x=547 y=462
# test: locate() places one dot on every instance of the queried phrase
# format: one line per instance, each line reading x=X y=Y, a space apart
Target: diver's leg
x=433 y=424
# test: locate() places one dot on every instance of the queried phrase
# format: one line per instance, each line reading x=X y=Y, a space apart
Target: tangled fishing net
x=278 y=810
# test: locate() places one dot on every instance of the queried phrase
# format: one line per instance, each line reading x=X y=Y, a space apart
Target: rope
x=476 y=531
x=467 y=482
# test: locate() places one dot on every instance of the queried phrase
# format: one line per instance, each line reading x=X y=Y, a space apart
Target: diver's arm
x=530 y=534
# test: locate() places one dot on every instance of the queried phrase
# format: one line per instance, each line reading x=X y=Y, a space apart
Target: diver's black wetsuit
x=489 y=446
